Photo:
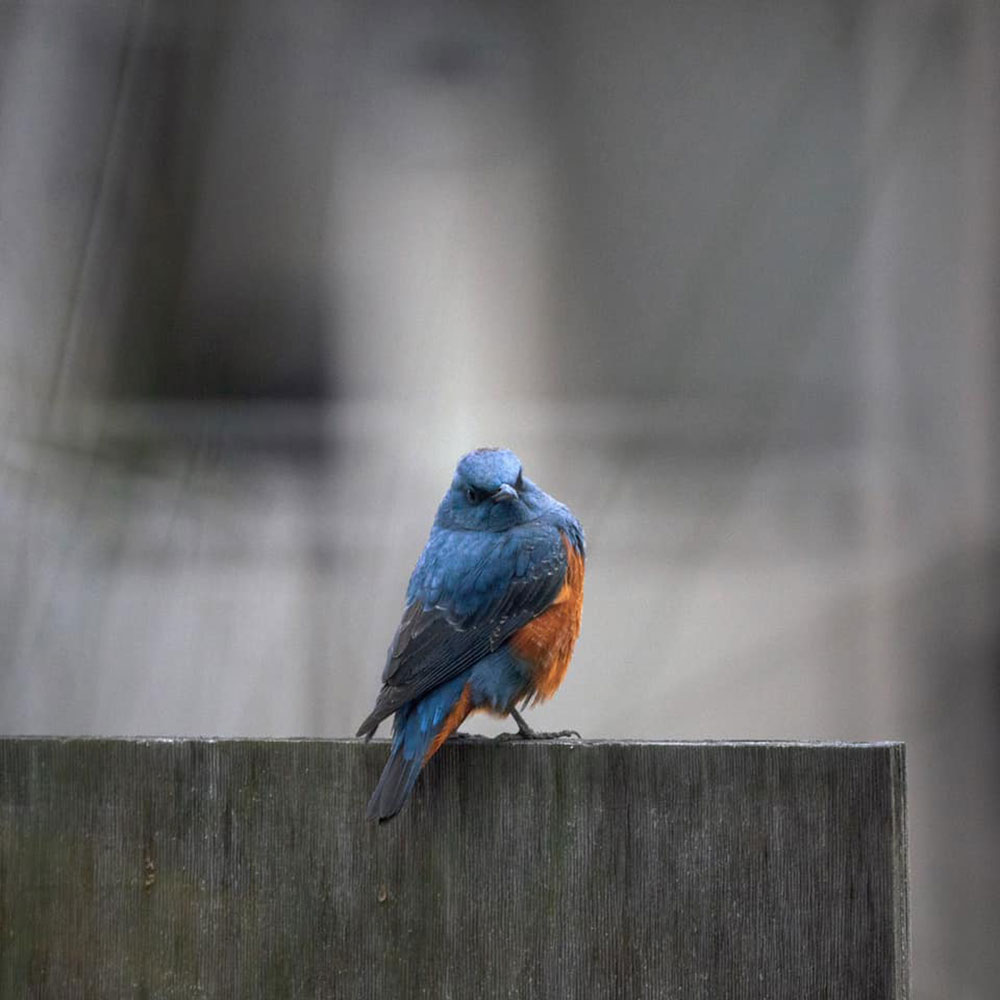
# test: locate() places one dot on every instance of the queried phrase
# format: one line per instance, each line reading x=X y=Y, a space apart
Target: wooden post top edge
x=464 y=740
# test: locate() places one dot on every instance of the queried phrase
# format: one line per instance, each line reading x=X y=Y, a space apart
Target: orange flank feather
x=452 y=721
x=547 y=641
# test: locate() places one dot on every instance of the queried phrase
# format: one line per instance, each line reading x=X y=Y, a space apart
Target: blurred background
x=725 y=273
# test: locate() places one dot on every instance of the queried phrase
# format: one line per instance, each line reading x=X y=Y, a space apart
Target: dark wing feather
x=435 y=643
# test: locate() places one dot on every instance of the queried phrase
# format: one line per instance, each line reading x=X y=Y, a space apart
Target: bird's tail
x=393 y=789
x=418 y=730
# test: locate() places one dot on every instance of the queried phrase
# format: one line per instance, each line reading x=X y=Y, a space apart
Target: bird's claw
x=525 y=732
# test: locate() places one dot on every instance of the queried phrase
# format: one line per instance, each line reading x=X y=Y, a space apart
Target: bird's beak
x=506 y=492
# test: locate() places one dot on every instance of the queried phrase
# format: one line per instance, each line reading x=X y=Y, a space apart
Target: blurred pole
x=59 y=116
x=928 y=472
x=980 y=272
x=977 y=889
x=439 y=221
x=886 y=51
x=64 y=73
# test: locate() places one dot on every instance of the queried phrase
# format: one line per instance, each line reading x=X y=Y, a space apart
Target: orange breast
x=547 y=641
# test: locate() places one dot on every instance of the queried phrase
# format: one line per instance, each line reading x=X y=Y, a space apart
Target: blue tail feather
x=415 y=726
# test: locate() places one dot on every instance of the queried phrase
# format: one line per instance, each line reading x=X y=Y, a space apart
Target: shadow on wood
x=244 y=868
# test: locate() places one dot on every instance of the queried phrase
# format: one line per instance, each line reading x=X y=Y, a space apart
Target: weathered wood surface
x=244 y=868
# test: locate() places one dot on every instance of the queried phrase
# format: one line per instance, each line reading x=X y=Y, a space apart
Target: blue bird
x=492 y=614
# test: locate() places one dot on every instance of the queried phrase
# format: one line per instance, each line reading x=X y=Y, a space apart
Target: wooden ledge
x=245 y=868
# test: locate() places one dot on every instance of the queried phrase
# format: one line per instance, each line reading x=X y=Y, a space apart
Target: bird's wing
x=469 y=594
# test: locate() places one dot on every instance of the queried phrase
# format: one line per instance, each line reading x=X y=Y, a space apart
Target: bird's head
x=490 y=493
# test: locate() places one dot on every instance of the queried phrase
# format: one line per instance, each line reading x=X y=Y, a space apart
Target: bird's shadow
x=477 y=738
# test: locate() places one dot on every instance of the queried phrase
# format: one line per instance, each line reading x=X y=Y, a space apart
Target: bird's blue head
x=490 y=493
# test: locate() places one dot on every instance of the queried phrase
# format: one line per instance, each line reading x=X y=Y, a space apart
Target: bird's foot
x=525 y=732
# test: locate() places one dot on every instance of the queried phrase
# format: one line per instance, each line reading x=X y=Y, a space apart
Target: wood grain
x=191 y=868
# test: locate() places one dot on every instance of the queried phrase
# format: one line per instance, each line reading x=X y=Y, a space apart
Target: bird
x=491 y=617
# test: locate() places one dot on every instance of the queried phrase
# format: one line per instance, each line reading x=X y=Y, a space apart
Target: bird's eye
x=473 y=495
x=519 y=485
